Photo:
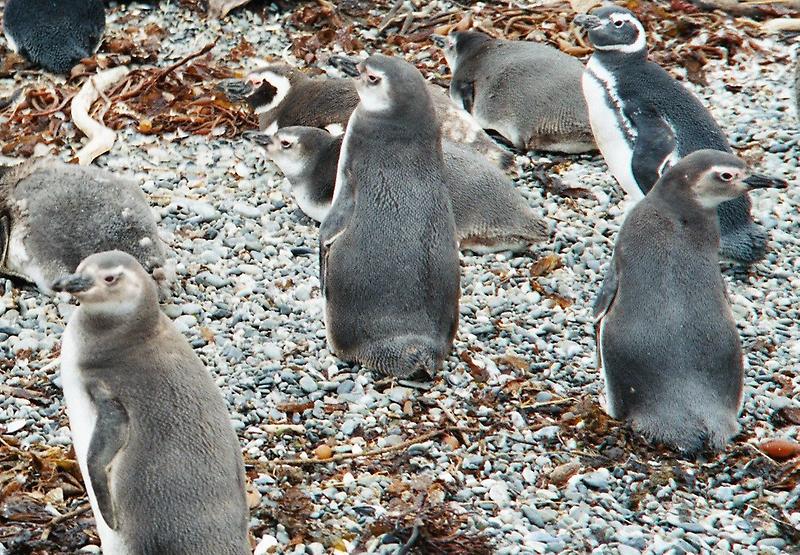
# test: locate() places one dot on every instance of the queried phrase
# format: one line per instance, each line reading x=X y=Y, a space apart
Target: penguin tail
x=403 y=356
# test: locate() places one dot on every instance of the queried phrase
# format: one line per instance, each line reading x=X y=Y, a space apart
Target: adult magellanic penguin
x=633 y=103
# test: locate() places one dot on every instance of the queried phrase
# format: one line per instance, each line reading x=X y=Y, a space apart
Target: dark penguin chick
x=162 y=465
x=53 y=215
x=283 y=96
x=490 y=214
x=527 y=92
x=668 y=346
x=54 y=34
x=632 y=102
x=389 y=269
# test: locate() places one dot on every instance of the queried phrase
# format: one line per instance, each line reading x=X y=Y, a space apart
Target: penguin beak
x=760 y=181
x=587 y=21
x=73 y=284
x=261 y=139
x=348 y=66
x=440 y=41
x=235 y=89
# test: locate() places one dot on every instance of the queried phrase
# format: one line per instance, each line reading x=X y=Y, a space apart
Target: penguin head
x=459 y=44
x=614 y=29
x=391 y=85
x=713 y=177
x=265 y=88
x=110 y=283
x=294 y=149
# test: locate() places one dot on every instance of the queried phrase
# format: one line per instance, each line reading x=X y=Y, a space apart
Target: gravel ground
x=534 y=467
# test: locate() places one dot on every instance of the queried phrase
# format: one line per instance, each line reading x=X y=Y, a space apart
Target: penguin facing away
x=527 y=92
x=632 y=104
x=53 y=215
x=284 y=96
x=668 y=346
x=162 y=465
x=54 y=34
x=389 y=269
x=490 y=214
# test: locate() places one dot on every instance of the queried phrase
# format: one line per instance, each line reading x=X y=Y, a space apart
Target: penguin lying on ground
x=633 y=103
x=389 y=269
x=53 y=215
x=283 y=96
x=668 y=346
x=54 y=34
x=162 y=465
x=527 y=92
x=490 y=214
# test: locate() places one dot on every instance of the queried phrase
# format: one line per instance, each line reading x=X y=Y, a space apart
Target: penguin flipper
x=5 y=238
x=465 y=91
x=334 y=224
x=109 y=437
x=655 y=144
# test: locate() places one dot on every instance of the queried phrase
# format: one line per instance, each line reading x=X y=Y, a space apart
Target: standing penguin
x=668 y=346
x=162 y=465
x=633 y=103
x=54 y=34
x=389 y=269
x=490 y=214
x=53 y=215
x=529 y=93
x=284 y=96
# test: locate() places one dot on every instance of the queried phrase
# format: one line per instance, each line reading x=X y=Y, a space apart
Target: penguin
x=54 y=34
x=161 y=463
x=53 y=215
x=490 y=214
x=527 y=92
x=633 y=102
x=668 y=347
x=284 y=96
x=389 y=269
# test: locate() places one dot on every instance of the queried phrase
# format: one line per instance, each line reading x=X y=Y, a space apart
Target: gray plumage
x=527 y=92
x=54 y=34
x=797 y=84
x=161 y=462
x=389 y=269
x=668 y=345
x=490 y=214
x=53 y=215
x=630 y=97
x=284 y=96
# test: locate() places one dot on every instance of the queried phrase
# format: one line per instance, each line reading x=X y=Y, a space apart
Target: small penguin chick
x=669 y=350
x=490 y=214
x=55 y=35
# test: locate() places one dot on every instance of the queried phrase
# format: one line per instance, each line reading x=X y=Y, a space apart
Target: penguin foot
x=744 y=245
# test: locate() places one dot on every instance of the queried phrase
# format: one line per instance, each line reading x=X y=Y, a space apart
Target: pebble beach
x=506 y=450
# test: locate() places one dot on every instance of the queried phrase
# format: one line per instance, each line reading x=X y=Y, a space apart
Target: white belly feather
x=82 y=418
x=610 y=138
x=21 y=263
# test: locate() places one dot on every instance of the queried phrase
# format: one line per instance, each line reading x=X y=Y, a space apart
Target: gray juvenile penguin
x=668 y=346
x=53 y=215
x=54 y=34
x=633 y=103
x=389 y=270
x=162 y=465
x=284 y=96
x=490 y=214
x=527 y=92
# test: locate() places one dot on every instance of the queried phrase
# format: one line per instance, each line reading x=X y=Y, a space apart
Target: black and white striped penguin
x=634 y=104
x=54 y=34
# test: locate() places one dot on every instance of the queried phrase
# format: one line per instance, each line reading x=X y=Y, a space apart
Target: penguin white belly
x=308 y=205
x=12 y=45
x=609 y=405
x=82 y=418
x=605 y=126
x=21 y=263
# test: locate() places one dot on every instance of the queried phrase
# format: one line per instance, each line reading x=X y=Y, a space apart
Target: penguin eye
x=255 y=80
x=109 y=279
x=726 y=176
x=373 y=79
x=286 y=144
x=619 y=23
